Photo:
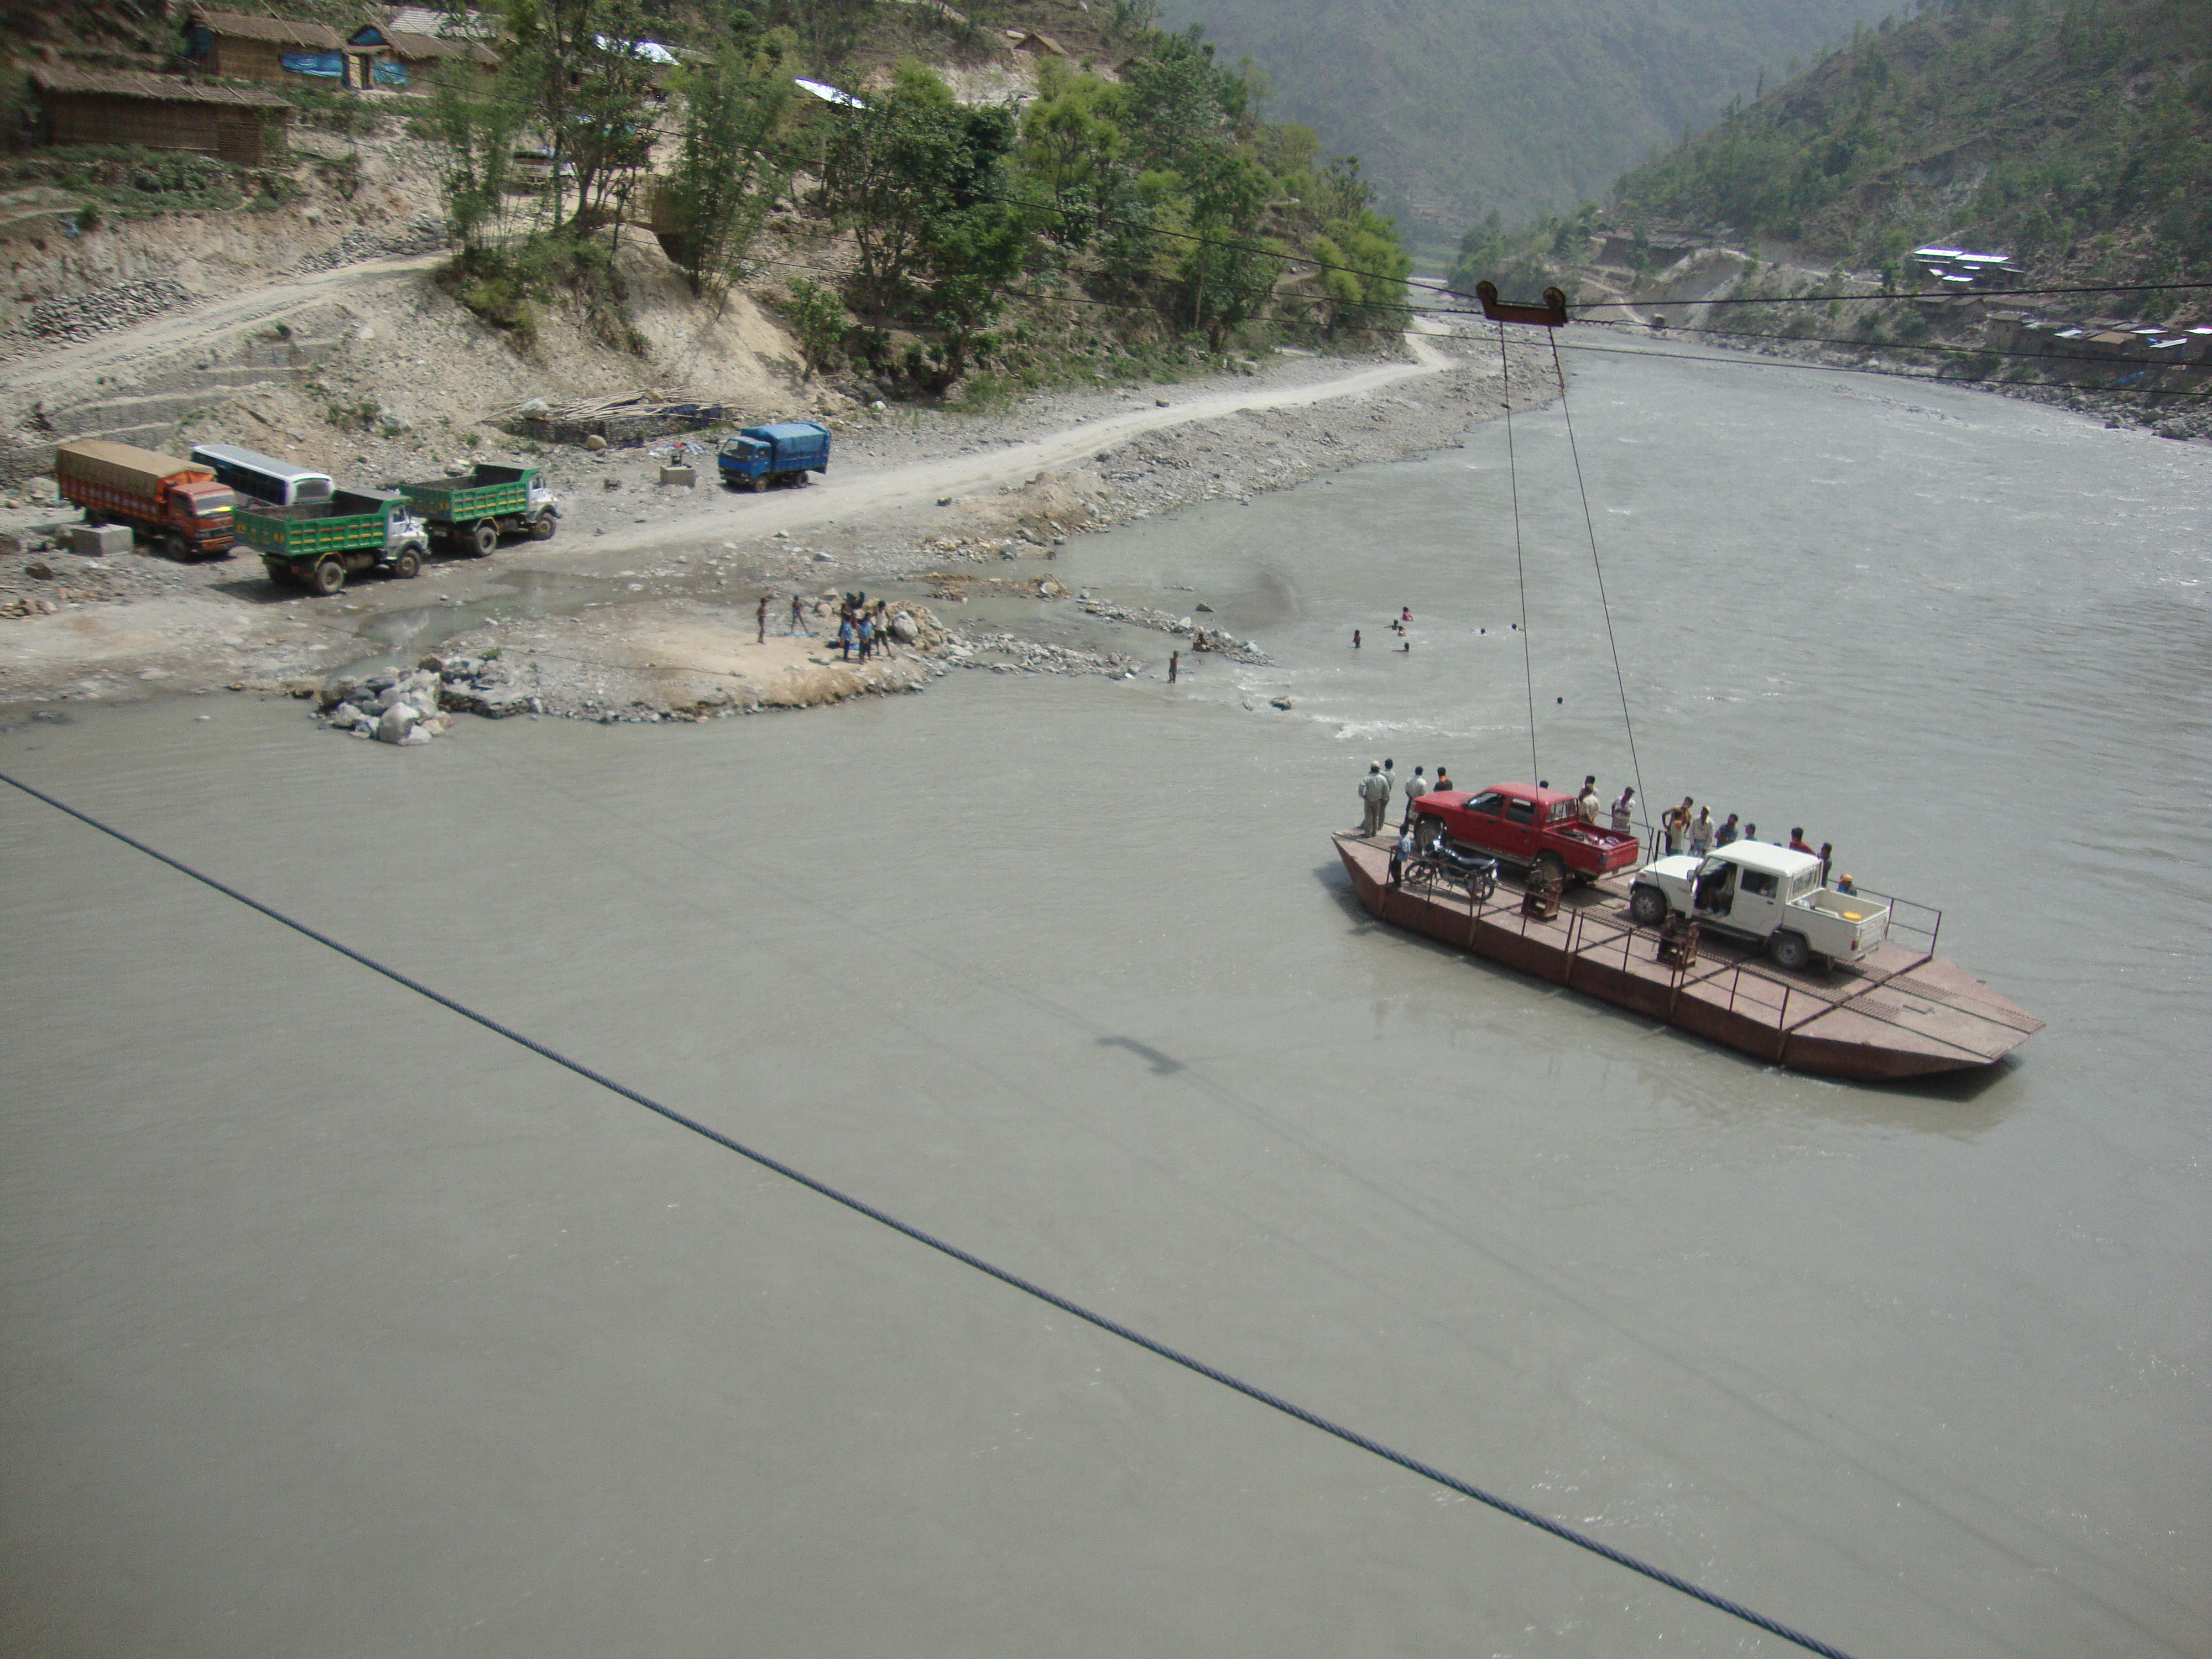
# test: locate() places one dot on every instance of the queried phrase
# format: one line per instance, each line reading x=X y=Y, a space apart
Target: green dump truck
x=472 y=513
x=318 y=546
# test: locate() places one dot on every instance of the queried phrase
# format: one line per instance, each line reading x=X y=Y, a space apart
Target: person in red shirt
x=1797 y=842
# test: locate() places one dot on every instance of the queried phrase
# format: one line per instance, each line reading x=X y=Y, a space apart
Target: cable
x=1174 y=1356
x=1918 y=294
x=1894 y=373
x=1635 y=764
x=1845 y=340
x=1520 y=566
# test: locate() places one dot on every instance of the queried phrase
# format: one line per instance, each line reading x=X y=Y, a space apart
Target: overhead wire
x=1519 y=563
x=1605 y=606
x=883 y=1217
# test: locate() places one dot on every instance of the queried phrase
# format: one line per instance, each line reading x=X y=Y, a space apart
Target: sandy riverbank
x=637 y=601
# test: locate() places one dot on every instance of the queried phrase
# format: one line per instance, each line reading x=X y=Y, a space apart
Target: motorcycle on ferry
x=1442 y=861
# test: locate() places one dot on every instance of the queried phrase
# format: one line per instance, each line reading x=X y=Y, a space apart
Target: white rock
x=414 y=734
x=398 y=721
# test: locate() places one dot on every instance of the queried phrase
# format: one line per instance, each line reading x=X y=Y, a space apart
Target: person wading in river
x=760 y=615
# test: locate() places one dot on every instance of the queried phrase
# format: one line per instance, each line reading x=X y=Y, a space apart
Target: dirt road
x=849 y=495
x=198 y=326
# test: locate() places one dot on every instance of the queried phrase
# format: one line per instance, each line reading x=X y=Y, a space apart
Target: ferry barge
x=1901 y=1011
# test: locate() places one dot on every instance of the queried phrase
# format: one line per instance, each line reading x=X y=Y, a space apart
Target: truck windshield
x=208 y=506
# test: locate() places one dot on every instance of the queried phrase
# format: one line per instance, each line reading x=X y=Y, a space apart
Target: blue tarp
x=391 y=73
x=329 y=65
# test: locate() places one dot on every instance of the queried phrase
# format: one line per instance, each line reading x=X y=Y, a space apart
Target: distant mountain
x=2075 y=135
x=1456 y=107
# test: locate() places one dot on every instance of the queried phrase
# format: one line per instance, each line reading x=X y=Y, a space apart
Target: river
x=338 y=1325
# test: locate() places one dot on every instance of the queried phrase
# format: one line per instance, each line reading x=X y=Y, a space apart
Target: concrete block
x=678 y=475
x=92 y=540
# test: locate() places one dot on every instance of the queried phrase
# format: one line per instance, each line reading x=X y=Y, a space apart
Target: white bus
x=262 y=476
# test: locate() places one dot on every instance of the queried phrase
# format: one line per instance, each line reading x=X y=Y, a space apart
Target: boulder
x=345 y=717
x=397 y=722
x=90 y=541
x=494 y=702
x=595 y=443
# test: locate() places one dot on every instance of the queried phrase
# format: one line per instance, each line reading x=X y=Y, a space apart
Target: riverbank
x=633 y=604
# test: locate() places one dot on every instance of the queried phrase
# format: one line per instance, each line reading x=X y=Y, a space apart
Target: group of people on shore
x=861 y=627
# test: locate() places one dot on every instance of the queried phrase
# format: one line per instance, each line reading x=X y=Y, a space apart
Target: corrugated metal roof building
x=243 y=124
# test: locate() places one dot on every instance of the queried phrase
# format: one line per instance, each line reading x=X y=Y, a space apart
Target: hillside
x=1456 y=107
x=2076 y=138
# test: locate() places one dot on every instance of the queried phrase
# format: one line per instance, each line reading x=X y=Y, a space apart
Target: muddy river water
x=336 y=1325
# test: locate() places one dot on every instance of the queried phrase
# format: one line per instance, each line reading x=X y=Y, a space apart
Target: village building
x=385 y=55
x=243 y=124
x=239 y=47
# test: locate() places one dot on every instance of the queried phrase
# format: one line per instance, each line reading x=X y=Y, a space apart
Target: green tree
x=817 y=316
x=729 y=167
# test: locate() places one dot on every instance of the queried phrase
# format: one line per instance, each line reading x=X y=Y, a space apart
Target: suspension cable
x=861 y=1206
x=1590 y=524
x=1520 y=564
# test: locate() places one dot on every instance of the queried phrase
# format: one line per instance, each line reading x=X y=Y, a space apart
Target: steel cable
x=1520 y=565
x=1015 y=1281
x=1635 y=764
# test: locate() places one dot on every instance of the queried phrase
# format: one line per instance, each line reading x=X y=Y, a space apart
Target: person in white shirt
x=1587 y=802
x=1701 y=833
x=1414 y=788
x=1623 y=809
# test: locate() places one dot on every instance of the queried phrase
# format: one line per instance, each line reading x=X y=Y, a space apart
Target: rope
x=1520 y=565
x=860 y=1206
x=1590 y=524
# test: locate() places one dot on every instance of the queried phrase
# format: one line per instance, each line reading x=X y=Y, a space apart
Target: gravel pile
x=68 y=317
x=1216 y=642
x=358 y=245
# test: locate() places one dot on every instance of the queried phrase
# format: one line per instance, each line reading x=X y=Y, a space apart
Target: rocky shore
x=673 y=636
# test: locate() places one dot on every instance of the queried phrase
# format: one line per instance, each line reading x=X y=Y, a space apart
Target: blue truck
x=785 y=453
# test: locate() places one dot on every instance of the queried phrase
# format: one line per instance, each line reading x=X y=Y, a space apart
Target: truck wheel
x=327 y=577
x=487 y=538
x=1648 y=905
x=541 y=528
x=1428 y=833
x=407 y=564
x=1789 y=951
x=1549 y=870
x=177 y=546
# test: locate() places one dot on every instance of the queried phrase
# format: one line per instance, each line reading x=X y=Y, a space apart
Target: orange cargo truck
x=163 y=499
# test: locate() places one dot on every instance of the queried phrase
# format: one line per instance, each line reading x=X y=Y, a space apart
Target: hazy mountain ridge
x=1458 y=106
x=2078 y=136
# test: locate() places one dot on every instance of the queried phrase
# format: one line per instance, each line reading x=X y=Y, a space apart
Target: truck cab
x=1526 y=826
x=1757 y=892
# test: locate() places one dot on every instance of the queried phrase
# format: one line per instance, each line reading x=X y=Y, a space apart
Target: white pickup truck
x=1762 y=893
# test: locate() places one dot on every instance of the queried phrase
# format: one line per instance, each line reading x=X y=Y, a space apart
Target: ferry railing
x=1925 y=922
x=1628 y=933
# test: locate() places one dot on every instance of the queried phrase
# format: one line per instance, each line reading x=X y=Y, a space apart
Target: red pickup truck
x=1532 y=828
